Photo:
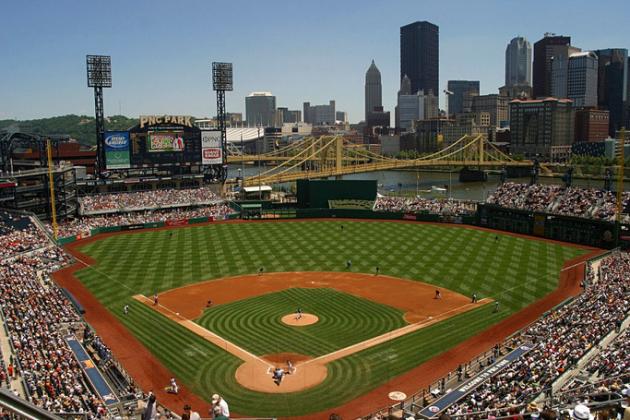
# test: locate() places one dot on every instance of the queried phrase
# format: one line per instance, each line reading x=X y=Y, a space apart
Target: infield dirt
x=418 y=301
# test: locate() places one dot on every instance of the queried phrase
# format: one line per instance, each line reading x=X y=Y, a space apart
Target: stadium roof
x=261 y=188
x=249 y=133
x=260 y=94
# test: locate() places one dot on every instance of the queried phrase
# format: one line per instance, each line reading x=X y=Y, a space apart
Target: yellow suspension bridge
x=332 y=156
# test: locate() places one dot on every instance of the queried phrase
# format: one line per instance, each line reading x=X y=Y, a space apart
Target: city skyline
x=146 y=53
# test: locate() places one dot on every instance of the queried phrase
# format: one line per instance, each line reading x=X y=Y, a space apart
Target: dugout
x=316 y=194
x=251 y=211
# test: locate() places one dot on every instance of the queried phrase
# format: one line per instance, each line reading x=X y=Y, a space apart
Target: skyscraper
x=496 y=106
x=373 y=89
x=541 y=128
x=405 y=89
x=518 y=63
x=460 y=96
x=582 y=79
x=550 y=46
x=410 y=109
x=320 y=114
x=560 y=72
x=260 y=109
x=419 y=56
x=613 y=85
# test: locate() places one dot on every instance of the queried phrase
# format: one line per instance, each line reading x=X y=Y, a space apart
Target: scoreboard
x=162 y=141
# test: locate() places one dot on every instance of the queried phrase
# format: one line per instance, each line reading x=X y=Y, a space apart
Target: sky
x=299 y=50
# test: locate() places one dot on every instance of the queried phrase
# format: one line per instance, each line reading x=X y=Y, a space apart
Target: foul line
x=204 y=333
x=383 y=338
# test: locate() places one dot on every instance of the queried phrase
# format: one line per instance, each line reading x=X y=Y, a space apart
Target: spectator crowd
x=76 y=226
x=18 y=234
x=141 y=200
x=445 y=207
x=556 y=199
x=35 y=311
x=560 y=340
x=614 y=360
x=37 y=316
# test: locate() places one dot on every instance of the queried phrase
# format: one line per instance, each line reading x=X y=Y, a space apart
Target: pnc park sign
x=147 y=120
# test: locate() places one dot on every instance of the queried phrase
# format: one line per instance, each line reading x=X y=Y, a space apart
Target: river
x=421 y=182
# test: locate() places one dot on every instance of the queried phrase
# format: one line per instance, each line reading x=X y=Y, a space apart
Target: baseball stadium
x=182 y=269
x=346 y=301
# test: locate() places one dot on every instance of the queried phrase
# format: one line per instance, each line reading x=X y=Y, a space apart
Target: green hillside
x=79 y=127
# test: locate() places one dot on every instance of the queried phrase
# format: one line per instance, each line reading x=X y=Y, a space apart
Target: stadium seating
x=444 y=207
x=579 y=202
x=85 y=224
x=18 y=234
x=36 y=316
x=143 y=200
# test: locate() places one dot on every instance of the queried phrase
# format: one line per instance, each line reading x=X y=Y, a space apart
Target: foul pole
x=51 y=185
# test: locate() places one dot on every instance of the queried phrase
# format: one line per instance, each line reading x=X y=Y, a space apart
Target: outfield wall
x=178 y=222
x=582 y=231
x=597 y=233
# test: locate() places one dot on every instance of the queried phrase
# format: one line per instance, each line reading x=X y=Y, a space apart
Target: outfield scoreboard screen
x=165 y=146
x=165 y=141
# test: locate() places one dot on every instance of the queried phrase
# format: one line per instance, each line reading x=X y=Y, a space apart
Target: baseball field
x=371 y=325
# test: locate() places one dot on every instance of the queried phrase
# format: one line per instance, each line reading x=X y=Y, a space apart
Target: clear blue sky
x=299 y=50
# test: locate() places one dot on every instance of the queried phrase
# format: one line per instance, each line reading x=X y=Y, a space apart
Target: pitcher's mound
x=307 y=319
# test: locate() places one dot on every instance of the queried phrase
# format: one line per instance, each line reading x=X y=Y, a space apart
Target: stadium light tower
x=99 y=76
x=221 y=83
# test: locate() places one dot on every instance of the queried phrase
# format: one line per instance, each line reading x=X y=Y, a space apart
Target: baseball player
x=438 y=294
x=219 y=402
x=298 y=314
x=126 y=309
x=173 y=388
x=474 y=298
x=155 y=299
x=496 y=306
x=278 y=374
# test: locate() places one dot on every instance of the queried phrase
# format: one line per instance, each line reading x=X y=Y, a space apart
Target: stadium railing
x=16 y=360
x=22 y=409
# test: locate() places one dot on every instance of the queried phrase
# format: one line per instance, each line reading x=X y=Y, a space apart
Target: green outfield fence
x=151 y=225
x=597 y=233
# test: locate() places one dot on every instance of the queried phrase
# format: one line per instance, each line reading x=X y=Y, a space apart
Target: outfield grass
x=513 y=270
x=255 y=325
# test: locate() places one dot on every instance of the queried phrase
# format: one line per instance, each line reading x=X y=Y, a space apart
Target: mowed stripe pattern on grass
x=254 y=324
x=515 y=271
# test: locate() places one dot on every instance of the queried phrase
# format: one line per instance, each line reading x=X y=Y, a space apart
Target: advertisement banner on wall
x=211 y=153
x=179 y=222
x=117 y=150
